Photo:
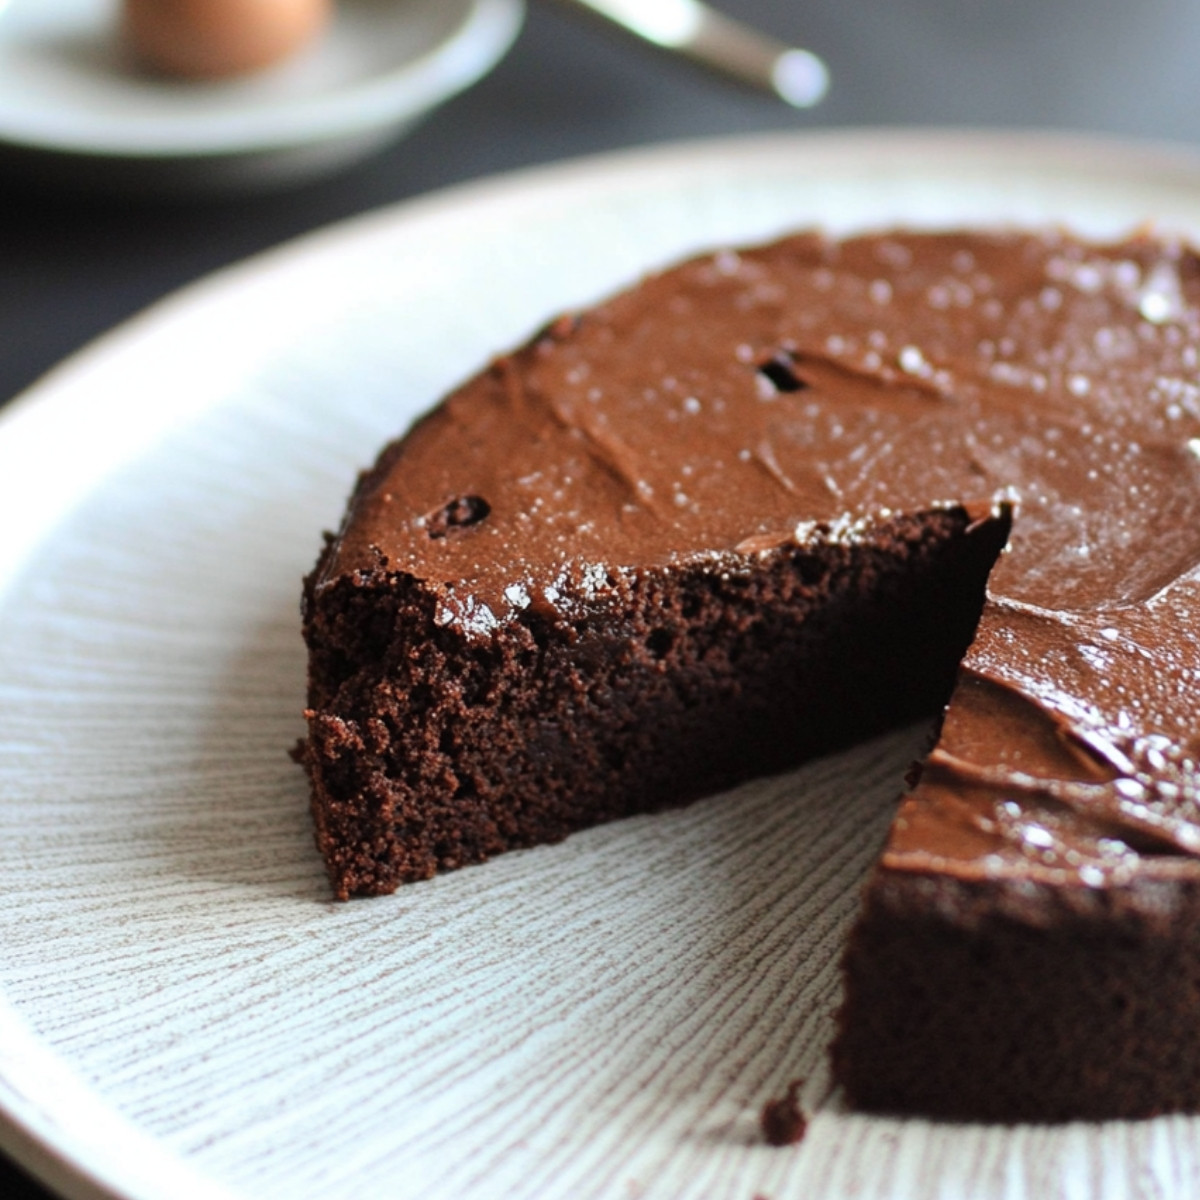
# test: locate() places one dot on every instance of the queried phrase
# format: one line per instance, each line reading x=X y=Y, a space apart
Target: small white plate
x=68 y=87
x=184 y=1012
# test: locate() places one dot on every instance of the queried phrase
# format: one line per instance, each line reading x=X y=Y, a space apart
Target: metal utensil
x=720 y=43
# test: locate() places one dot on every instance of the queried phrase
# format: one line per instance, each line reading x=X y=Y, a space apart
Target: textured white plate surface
x=183 y=1010
x=68 y=85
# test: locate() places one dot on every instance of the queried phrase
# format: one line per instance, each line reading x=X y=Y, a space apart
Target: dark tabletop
x=73 y=264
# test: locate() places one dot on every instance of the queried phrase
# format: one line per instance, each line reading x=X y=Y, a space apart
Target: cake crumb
x=783 y=1121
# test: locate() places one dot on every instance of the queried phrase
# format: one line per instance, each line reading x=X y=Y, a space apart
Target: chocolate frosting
x=799 y=392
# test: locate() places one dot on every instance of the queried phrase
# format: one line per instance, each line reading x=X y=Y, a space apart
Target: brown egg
x=208 y=39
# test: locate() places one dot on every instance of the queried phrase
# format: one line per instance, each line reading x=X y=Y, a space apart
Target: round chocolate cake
x=773 y=501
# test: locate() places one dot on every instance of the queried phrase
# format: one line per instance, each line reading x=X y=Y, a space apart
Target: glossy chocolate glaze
x=796 y=393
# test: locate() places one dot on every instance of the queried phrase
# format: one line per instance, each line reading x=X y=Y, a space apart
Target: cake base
x=1002 y=1002
x=429 y=750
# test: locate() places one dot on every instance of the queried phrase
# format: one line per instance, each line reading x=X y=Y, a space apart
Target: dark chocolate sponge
x=770 y=502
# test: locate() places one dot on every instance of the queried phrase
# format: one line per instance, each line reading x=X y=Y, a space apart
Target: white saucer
x=69 y=88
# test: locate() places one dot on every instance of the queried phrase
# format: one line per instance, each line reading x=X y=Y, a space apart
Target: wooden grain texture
x=184 y=1011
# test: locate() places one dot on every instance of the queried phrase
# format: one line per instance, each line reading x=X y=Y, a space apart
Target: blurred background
x=78 y=256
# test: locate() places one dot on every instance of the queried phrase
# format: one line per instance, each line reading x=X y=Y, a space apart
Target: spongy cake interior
x=684 y=681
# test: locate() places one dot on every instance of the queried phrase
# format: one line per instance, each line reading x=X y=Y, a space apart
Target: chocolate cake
x=770 y=502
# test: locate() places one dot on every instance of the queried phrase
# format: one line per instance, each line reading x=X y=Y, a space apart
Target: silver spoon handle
x=714 y=40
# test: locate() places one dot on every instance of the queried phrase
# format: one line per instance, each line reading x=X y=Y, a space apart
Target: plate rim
x=31 y=1132
x=484 y=35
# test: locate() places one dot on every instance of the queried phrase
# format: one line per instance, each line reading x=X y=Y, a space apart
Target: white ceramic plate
x=68 y=87
x=183 y=1011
